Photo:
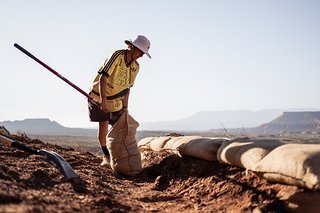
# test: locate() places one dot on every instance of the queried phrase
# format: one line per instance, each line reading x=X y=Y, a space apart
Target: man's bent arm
x=103 y=94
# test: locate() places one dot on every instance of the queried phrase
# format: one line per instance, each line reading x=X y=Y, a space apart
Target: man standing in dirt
x=111 y=87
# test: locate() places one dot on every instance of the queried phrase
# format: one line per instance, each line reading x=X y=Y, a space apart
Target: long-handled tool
x=53 y=71
x=57 y=74
x=59 y=161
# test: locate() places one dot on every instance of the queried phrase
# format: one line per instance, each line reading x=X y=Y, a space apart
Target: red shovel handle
x=52 y=70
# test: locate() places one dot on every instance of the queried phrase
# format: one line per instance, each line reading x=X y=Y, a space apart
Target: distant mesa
x=44 y=126
x=210 y=120
x=293 y=122
x=260 y=122
x=244 y=119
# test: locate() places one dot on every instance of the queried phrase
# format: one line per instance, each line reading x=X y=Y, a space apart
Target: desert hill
x=210 y=120
x=44 y=126
x=206 y=120
x=292 y=122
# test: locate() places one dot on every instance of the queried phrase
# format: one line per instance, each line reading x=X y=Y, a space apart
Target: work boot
x=105 y=161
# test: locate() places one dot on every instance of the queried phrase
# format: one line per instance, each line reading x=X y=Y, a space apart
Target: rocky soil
x=167 y=183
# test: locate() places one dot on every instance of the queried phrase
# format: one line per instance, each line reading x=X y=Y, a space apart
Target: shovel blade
x=60 y=162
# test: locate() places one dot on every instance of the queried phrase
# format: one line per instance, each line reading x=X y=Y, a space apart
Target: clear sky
x=206 y=55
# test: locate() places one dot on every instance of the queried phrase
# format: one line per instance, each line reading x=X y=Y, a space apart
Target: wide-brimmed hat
x=142 y=43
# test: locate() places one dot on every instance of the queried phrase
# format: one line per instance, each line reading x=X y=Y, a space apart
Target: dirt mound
x=28 y=183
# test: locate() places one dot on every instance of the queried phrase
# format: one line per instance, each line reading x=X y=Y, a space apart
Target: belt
x=112 y=97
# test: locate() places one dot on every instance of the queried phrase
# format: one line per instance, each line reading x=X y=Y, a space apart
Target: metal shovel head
x=60 y=162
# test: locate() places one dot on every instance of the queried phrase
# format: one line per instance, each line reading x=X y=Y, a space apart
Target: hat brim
x=129 y=42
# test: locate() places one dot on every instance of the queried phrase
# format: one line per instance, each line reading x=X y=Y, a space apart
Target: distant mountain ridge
x=291 y=122
x=44 y=126
x=207 y=120
x=265 y=122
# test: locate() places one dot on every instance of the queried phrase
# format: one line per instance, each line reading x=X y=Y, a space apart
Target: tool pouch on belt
x=114 y=105
x=114 y=102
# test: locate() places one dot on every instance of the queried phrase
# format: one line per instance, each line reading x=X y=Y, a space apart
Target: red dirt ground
x=168 y=183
